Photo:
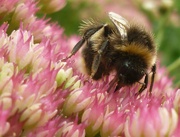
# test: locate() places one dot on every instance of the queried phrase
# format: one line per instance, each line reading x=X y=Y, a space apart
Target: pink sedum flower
x=23 y=13
x=51 y=5
x=76 y=101
x=156 y=122
x=29 y=82
x=92 y=118
x=113 y=124
x=7 y=6
x=60 y=127
x=71 y=129
x=4 y=125
x=24 y=10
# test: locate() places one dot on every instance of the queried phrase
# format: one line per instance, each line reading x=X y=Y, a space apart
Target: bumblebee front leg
x=76 y=48
x=97 y=58
x=152 y=77
x=87 y=35
x=113 y=82
x=144 y=85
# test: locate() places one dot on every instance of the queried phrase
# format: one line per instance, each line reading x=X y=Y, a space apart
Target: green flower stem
x=174 y=65
x=163 y=21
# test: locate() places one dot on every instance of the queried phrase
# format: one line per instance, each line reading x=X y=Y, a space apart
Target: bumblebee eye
x=121 y=24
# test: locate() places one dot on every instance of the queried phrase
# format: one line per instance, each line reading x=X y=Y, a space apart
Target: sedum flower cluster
x=43 y=96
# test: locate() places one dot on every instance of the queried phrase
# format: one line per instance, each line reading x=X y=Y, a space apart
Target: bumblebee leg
x=112 y=83
x=97 y=58
x=152 y=78
x=88 y=34
x=117 y=87
x=75 y=49
x=144 y=85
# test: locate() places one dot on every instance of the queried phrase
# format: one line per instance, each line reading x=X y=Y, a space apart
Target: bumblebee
x=121 y=47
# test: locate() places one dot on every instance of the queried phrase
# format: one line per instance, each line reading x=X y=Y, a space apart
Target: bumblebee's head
x=130 y=70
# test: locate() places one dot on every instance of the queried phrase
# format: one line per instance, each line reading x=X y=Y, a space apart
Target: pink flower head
x=93 y=116
x=70 y=128
x=7 y=6
x=24 y=15
x=4 y=124
x=29 y=82
x=60 y=127
x=41 y=28
x=24 y=11
x=51 y=6
x=19 y=48
x=113 y=124
x=150 y=119
x=76 y=101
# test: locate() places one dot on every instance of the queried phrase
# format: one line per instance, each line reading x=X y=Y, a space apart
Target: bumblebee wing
x=121 y=23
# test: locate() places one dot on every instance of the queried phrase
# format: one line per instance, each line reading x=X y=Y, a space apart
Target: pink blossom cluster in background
x=40 y=95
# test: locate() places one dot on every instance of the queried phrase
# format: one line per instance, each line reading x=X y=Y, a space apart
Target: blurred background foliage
x=162 y=17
